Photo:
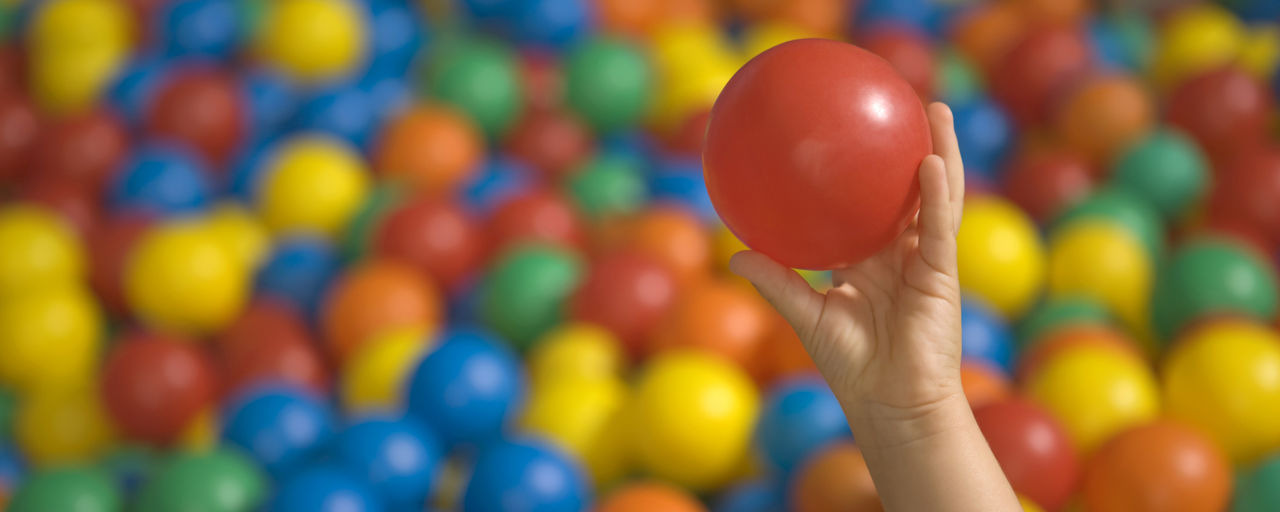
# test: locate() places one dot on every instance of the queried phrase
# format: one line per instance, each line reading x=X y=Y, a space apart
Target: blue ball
x=501 y=178
x=135 y=85
x=388 y=97
x=925 y=15
x=11 y=468
x=800 y=417
x=468 y=388
x=985 y=134
x=752 y=496
x=272 y=102
x=399 y=459
x=344 y=111
x=636 y=145
x=680 y=182
x=161 y=180
x=488 y=10
x=324 y=488
x=525 y=475
x=395 y=38
x=200 y=27
x=281 y=427
x=245 y=178
x=299 y=271
x=985 y=336
x=1256 y=11
x=553 y=23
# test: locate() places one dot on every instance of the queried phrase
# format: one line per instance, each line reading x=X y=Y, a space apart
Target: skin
x=886 y=338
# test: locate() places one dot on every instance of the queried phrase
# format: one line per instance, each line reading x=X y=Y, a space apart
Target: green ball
x=67 y=489
x=1211 y=276
x=1059 y=312
x=608 y=186
x=219 y=480
x=1167 y=169
x=609 y=83
x=958 y=80
x=8 y=407
x=1124 y=208
x=1258 y=490
x=480 y=77
x=525 y=293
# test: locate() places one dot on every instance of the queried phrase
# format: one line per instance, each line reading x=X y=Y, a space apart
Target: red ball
x=812 y=153
x=204 y=108
x=434 y=235
x=77 y=203
x=12 y=66
x=19 y=128
x=536 y=216
x=1224 y=109
x=111 y=243
x=909 y=52
x=270 y=343
x=1038 y=69
x=153 y=385
x=1246 y=192
x=553 y=142
x=1045 y=182
x=88 y=148
x=626 y=293
x=1033 y=450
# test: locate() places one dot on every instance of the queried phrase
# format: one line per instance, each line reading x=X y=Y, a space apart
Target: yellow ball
x=1261 y=52
x=693 y=63
x=62 y=425
x=763 y=36
x=315 y=185
x=1106 y=263
x=1095 y=392
x=691 y=419
x=39 y=250
x=49 y=337
x=724 y=244
x=1196 y=38
x=1224 y=378
x=181 y=278
x=1000 y=255
x=583 y=418
x=313 y=40
x=240 y=232
x=575 y=351
x=1028 y=505
x=375 y=377
x=76 y=48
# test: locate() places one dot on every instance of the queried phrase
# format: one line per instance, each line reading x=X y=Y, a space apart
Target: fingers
x=789 y=293
x=936 y=221
x=942 y=125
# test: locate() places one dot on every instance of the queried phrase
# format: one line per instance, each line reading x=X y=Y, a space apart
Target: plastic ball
x=753 y=170
x=343 y=110
x=219 y=480
x=1223 y=109
x=313 y=185
x=1207 y=277
x=479 y=77
x=672 y=237
x=678 y=182
x=835 y=479
x=434 y=235
x=751 y=496
x=202 y=28
x=986 y=336
x=22 y=125
x=1167 y=169
x=718 y=317
x=1124 y=40
x=1105 y=262
x=499 y=179
x=376 y=297
x=677 y=434
x=239 y=232
x=1027 y=78
x=1095 y=393
x=325 y=488
x=957 y=79
x=375 y=376
x=552 y=142
x=270 y=99
x=911 y=54
x=313 y=40
x=626 y=293
x=528 y=473
x=799 y=418
x=1194 y=39
x=203 y=108
x=41 y=251
x=1056 y=313
x=1033 y=449
x=468 y=388
x=627 y=18
x=298 y=271
x=398 y=458
x=62 y=425
x=646 y=496
x=50 y=337
x=431 y=148
x=535 y=216
x=692 y=62
x=527 y=290
x=76 y=204
x=609 y=83
x=395 y=39
x=1218 y=378
x=584 y=418
x=135 y=85
x=575 y=351
x=1104 y=115
x=608 y=186
x=280 y=426
x=1242 y=191
x=154 y=386
x=162 y=180
x=111 y=244
x=79 y=488
x=1000 y=255
x=1256 y=489
x=553 y=23
x=1125 y=210
x=1159 y=466
x=983 y=383
x=167 y=292
x=1069 y=338
x=1044 y=183
x=76 y=47
x=987 y=33
x=269 y=343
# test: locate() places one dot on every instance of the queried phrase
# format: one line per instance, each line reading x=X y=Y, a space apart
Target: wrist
x=881 y=425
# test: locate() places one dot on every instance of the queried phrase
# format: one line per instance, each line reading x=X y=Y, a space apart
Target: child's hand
x=887 y=335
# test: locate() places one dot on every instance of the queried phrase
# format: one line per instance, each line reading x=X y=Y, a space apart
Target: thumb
x=789 y=293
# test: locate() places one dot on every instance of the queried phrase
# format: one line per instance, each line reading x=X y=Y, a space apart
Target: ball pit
x=253 y=254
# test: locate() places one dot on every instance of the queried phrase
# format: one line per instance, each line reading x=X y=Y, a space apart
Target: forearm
x=930 y=458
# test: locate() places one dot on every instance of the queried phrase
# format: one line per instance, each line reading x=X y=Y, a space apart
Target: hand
x=886 y=336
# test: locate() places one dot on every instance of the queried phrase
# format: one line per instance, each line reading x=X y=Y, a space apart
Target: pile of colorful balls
x=363 y=255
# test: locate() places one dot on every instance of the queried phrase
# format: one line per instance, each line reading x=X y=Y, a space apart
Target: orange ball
x=687 y=11
x=718 y=317
x=782 y=355
x=1162 y=466
x=628 y=17
x=375 y=297
x=431 y=147
x=820 y=17
x=983 y=385
x=835 y=480
x=988 y=32
x=1105 y=115
x=647 y=497
x=1068 y=338
x=674 y=238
